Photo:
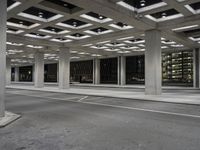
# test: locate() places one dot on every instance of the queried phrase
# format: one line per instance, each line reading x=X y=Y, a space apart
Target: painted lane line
x=145 y=110
x=117 y=106
x=83 y=98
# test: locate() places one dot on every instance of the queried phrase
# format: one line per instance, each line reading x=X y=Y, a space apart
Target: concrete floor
x=56 y=121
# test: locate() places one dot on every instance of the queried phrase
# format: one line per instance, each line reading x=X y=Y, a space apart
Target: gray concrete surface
x=178 y=95
x=55 y=121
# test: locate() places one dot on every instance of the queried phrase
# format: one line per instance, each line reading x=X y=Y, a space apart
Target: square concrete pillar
x=96 y=71
x=3 y=19
x=39 y=70
x=8 y=71
x=64 y=68
x=121 y=70
x=33 y=73
x=153 y=67
x=57 y=72
x=5 y=117
x=196 y=68
x=16 y=74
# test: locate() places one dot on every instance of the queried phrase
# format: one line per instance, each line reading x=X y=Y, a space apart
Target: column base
x=147 y=92
x=39 y=86
x=8 y=118
x=63 y=88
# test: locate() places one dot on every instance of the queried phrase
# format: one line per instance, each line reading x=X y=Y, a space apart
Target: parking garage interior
x=132 y=66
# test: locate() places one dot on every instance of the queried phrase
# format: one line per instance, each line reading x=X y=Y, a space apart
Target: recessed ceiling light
x=40 y=14
x=100 y=17
x=164 y=15
x=124 y=25
x=142 y=3
x=99 y=46
x=99 y=30
x=75 y=24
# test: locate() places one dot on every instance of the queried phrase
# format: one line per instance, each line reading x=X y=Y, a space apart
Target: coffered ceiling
x=98 y=28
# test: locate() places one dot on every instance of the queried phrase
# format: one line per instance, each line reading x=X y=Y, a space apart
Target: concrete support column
x=153 y=68
x=16 y=74
x=39 y=70
x=121 y=70
x=3 y=19
x=33 y=73
x=64 y=68
x=196 y=68
x=96 y=71
x=57 y=72
x=8 y=71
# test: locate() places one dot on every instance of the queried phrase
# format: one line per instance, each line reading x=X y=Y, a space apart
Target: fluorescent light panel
x=22 y=26
x=13 y=6
x=37 y=37
x=98 y=33
x=185 y=27
x=77 y=38
x=121 y=28
x=95 y=19
x=61 y=41
x=25 y=15
x=72 y=27
x=164 y=18
x=53 y=32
